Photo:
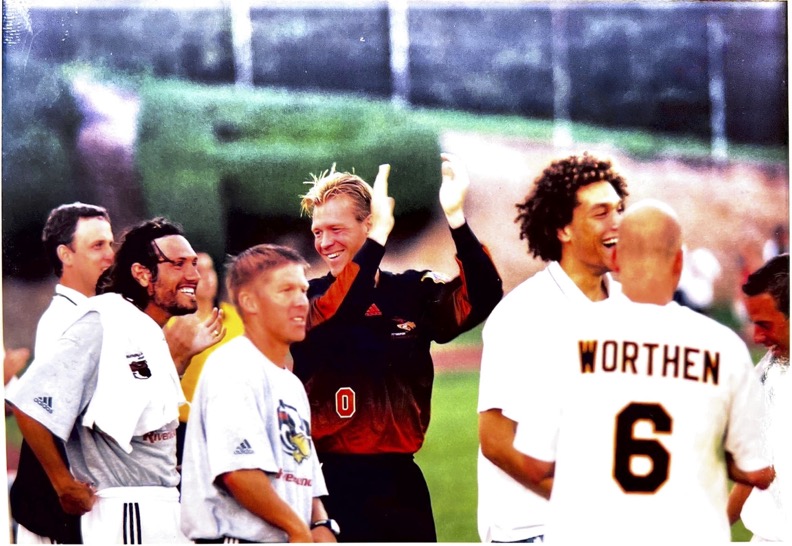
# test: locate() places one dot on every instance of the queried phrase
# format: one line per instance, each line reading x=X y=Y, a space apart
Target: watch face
x=330 y=524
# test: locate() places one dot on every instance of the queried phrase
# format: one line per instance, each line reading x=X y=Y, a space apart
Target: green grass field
x=448 y=459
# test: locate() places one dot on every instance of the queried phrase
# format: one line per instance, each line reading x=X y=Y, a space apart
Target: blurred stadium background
x=214 y=112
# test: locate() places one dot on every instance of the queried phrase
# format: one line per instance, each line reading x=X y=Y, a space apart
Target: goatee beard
x=179 y=310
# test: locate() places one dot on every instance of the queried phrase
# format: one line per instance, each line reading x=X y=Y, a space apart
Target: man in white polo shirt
x=78 y=241
x=110 y=390
x=570 y=220
x=768 y=513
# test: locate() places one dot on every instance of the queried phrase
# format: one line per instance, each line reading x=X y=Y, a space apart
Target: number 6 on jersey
x=628 y=446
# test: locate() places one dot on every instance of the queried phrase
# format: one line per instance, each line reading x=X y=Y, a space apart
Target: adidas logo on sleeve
x=244 y=449
x=45 y=402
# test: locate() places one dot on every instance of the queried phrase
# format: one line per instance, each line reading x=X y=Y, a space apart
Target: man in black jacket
x=365 y=361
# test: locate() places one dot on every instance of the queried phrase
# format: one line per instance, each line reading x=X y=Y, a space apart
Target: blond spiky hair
x=330 y=184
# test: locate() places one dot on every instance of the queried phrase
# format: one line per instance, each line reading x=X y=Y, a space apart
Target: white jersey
x=247 y=413
x=59 y=387
x=62 y=311
x=768 y=514
x=637 y=414
x=508 y=511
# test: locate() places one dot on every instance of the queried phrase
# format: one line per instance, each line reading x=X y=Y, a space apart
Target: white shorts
x=134 y=515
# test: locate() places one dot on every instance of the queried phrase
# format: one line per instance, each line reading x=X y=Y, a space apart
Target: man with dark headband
x=109 y=389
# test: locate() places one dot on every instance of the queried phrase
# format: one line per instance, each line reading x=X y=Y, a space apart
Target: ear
x=679 y=262
x=616 y=267
x=247 y=302
x=564 y=234
x=141 y=274
x=64 y=254
x=367 y=223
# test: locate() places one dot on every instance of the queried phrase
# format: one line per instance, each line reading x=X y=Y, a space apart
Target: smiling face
x=771 y=326
x=338 y=234
x=172 y=293
x=277 y=302
x=589 y=240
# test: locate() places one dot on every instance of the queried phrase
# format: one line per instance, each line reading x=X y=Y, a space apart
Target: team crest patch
x=139 y=366
x=404 y=328
x=407 y=326
x=295 y=433
x=435 y=277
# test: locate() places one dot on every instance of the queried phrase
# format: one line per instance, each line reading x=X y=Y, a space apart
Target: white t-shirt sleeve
x=544 y=389
x=57 y=387
x=537 y=413
x=507 y=358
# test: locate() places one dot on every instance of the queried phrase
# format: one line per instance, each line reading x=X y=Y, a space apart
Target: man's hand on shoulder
x=453 y=189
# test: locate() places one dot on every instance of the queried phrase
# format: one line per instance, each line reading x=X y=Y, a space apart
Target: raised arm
x=453 y=189
x=382 y=205
x=469 y=298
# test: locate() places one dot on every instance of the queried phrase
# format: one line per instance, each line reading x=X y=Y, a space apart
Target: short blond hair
x=242 y=269
x=331 y=184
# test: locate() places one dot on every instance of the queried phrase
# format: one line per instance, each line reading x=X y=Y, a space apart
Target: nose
x=759 y=336
x=192 y=273
x=326 y=239
x=616 y=218
x=302 y=300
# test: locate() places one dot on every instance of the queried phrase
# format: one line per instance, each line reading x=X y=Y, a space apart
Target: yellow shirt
x=234 y=328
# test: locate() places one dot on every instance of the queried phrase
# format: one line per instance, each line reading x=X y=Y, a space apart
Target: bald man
x=647 y=402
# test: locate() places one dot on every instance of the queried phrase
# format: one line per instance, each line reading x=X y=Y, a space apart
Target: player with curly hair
x=570 y=220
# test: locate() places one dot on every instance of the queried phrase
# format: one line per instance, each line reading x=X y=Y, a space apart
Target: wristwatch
x=329 y=523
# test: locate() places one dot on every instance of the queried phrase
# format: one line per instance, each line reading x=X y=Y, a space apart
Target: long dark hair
x=137 y=246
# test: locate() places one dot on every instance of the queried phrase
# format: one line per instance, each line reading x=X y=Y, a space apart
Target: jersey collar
x=70 y=294
x=571 y=290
